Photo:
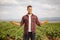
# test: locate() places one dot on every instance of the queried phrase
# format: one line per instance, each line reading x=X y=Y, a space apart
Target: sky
x=15 y=9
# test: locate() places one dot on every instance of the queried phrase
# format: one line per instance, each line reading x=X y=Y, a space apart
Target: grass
x=16 y=32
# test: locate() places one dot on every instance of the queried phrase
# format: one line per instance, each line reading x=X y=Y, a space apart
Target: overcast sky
x=15 y=9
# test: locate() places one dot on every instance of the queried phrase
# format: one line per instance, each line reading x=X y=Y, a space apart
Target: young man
x=30 y=20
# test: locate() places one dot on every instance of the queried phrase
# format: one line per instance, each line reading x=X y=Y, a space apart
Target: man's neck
x=29 y=13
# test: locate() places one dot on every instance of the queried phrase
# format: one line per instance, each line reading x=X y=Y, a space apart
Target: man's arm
x=38 y=22
x=41 y=23
x=18 y=23
x=44 y=22
x=15 y=23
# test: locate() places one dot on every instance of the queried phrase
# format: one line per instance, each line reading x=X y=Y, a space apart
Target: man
x=30 y=20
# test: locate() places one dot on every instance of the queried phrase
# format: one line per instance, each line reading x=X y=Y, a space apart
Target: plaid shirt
x=34 y=21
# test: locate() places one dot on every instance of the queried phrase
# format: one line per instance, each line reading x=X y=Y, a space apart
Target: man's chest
x=33 y=19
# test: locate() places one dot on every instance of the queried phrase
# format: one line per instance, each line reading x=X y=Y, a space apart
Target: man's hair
x=29 y=6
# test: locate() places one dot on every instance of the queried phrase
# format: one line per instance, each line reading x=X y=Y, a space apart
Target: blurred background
x=13 y=10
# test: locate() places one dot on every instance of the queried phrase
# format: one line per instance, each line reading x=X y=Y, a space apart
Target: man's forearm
x=15 y=23
x=18 y=24
x=44 y=22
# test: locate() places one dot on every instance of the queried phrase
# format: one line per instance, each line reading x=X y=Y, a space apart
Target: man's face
x=29 y=10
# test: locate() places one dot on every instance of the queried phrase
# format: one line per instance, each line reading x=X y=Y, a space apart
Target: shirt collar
x=31 y=15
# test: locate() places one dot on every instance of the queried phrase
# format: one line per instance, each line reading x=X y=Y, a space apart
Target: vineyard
x=50 y=31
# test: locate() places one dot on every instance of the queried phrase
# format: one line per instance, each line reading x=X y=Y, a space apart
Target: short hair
x=29 y=6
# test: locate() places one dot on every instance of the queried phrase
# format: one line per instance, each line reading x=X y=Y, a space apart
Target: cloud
x=8 y=1
x=15 y=9
x=10 y=12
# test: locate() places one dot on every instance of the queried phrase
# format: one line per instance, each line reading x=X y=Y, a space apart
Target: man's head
x=29 y=9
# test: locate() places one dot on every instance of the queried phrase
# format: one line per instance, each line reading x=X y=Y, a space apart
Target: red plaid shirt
x=34 y=21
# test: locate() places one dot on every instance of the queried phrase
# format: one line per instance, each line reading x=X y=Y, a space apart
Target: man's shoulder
x=34 y=15
x=24 y=16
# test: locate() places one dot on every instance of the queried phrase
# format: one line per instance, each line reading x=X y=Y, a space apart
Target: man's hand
x=44 y=22
x=15 y=23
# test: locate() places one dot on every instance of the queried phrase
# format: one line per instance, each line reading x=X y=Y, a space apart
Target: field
x=50 y=31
